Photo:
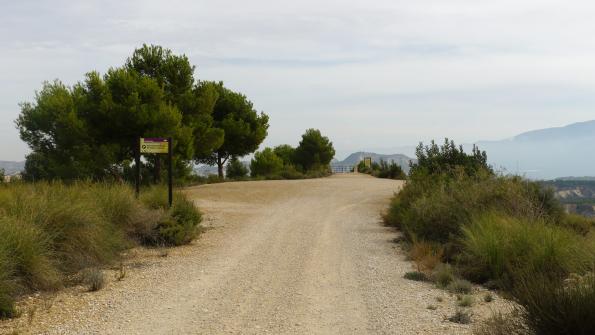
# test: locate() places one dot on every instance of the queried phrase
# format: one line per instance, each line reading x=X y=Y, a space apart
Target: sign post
x=148 y=145
x=368 y=162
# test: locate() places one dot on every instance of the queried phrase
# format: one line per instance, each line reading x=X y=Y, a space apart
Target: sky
x=371 y=75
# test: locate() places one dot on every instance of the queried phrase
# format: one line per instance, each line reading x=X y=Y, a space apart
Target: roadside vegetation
x=383 y=169
x=54 y=234
x=310 y=159
x=463 y=220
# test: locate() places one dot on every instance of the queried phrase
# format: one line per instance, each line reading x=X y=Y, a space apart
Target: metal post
x=169 y=170
x=137 y=167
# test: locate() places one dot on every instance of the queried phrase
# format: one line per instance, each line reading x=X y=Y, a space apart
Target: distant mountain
x=546 y=153
x=356 y=157
x=11 y=168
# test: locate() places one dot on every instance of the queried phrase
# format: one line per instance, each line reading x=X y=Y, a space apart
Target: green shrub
x=553 y=306
x=503 y=324
x=183 y=227
x=436 y=159
x=580 y=224
x=460 y=316
x=443 y=275
x=50 y=231
x=436 y=207
x=498 y=247
x=416 y=275
x=236 y=169
x=465 y=301
x=265 y=163
x=7 y=289
x=26 y=248
x=95 y=279
x=461 y=286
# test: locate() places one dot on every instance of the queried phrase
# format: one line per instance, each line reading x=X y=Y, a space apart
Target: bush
x=426 y=255
x=443 y=275
x=465 y=301
x=444 y=159
x=176 y=225
x=94 y=279
x=265 y=163
x=553 y=306
x=498 y=247
x=236 y=169
x=500 y=324
x=580 y=224
x=416 y=275
x=460 y=316
x=383 y=169
x=460 y=286
x=50 y=231
x=436 y=207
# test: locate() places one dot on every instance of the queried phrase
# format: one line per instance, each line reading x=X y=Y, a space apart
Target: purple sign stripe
x=154 y=139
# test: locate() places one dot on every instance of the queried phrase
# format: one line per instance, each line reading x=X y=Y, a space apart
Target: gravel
x=278 y=257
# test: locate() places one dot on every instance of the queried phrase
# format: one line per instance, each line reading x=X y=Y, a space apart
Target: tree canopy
x=244 y=129
x=314 y=151
x=91 y=130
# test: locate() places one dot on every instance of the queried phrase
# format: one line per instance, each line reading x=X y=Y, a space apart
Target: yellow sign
x=368 y=161
x=154 y=146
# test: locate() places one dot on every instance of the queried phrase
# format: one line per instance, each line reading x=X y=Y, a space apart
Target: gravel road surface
x=278 y=257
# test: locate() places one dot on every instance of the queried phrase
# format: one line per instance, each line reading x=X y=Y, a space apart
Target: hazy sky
x=369 y=74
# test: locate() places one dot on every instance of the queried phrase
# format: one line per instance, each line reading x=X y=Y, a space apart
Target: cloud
x=365 y=72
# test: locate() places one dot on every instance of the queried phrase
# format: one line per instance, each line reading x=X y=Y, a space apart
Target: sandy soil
x=278 y=257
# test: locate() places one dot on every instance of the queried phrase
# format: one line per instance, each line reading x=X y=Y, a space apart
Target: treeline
x=461 y=219
x=383 y=169
x=91 y=129
x=311 y=158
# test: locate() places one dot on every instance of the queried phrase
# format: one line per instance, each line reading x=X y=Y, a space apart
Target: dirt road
x=278 y=257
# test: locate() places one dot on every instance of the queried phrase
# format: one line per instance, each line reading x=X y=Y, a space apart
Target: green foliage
x=314 y=151
x=383 y=169
x=580 y=224
x=50 y=231
x=2 y=175
x=286 y=152
x=503 y=324
x=236 y=169
x=502 y=230
x=91 y=130
x=94 y=279
x=434 y=159
x=436 y=207
x=460 y=316
x=244 y=129
x=416 y=275
x=465 y=301
x=177 y=225
x=500 y=247
x=266 y=163
x=443 y=275
x=552 y=306
x=460 y=286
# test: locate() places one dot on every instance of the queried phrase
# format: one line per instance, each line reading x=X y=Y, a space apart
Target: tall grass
x=556 y=306
x=49 y=231
x=506 y=231
x=498 y=247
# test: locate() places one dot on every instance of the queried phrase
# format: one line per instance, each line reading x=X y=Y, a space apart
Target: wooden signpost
x=155 y=145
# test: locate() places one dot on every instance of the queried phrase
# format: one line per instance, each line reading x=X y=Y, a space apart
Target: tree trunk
x=220 y=163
